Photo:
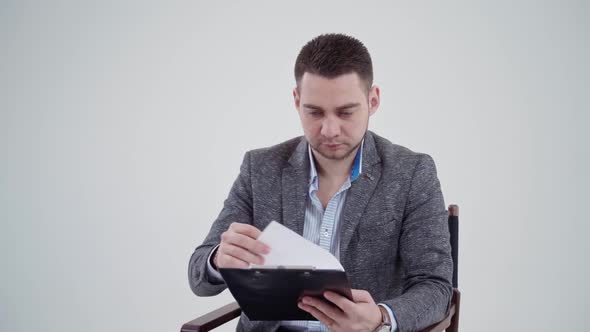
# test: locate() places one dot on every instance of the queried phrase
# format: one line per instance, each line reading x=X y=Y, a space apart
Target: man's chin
x=338 y=154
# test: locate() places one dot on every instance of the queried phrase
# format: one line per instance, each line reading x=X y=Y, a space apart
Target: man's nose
x=330 y=128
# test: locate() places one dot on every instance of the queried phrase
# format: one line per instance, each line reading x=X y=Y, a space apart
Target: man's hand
x=341 y=314
x=239 y=247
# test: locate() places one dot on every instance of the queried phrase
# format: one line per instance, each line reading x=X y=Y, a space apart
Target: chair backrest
x=454 y=230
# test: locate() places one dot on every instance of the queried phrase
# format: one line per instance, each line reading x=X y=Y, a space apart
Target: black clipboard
x=273 y=293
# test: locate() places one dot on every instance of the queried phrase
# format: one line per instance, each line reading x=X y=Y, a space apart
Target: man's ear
x=296 y=98
x=374 y=99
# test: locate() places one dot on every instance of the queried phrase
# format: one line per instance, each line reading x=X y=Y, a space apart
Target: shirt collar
x=355 y=172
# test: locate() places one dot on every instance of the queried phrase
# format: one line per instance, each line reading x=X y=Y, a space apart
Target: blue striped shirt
x=322 y=226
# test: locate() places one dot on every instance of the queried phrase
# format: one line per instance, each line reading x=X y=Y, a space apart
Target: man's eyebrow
x=347 y=106
x=339 y=108
x=313 y=107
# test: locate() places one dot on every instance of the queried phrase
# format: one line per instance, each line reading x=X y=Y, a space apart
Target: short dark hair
x=332 y=55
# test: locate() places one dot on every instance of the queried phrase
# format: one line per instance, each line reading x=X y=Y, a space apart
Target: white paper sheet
x=289 y=249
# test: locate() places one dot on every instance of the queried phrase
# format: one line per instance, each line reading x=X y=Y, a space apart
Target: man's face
x=335 y=112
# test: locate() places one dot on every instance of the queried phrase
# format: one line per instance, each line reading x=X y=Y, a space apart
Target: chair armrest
x=213 y=319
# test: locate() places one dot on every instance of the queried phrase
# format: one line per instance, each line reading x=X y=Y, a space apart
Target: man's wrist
x=213 y=260
x=385 y=324
x=213 y=274
x=384 y=315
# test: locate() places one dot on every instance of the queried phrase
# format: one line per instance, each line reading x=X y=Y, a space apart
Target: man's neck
x=334 y=169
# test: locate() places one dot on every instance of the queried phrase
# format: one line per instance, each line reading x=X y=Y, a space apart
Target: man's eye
x=315 y=113
x=345 y=114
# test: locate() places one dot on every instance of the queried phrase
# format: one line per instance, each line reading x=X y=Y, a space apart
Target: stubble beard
x=336 y=156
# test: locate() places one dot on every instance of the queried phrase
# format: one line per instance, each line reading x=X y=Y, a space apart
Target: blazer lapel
x=295 y=188
x=360 y=193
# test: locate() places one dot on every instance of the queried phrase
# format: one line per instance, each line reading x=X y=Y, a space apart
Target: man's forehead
x=342 y=89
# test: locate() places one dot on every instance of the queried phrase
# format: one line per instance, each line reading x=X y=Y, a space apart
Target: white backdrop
x=122 y=127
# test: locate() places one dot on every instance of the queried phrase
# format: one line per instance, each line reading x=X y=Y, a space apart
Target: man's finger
x=326 y=308
x=360 y=295
x=245 y=229
x=340 y=301
x=245 y=242
x=226 y=261
x=241 y=254
x=316 y=313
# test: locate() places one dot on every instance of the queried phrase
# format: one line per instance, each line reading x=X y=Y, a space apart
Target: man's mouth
x=333 y=145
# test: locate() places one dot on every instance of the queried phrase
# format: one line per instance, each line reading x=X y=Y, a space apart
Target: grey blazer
x=394 y=234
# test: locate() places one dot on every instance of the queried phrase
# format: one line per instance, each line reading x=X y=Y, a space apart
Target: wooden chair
x=450 y=323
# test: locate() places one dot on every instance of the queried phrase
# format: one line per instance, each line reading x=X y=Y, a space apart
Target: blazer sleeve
x=236 y=208
x=425 y=253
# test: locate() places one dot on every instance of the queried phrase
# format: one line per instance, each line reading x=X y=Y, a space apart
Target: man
x=376 y=206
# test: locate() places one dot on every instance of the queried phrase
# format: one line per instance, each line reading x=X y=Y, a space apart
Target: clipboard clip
x=283 y=267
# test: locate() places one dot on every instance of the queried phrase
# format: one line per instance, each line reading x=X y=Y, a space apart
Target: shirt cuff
x=391 y=317
x=212 y=274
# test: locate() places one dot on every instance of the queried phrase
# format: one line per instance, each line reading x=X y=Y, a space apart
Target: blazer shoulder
x=274 y=157
x=400 y=158
x=389 y=150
